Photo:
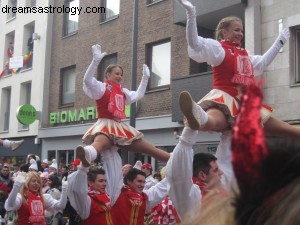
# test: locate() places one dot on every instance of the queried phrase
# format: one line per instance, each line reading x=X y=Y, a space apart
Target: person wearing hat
x=33 y=165
x=53 y=168
x=150 y=181
x=45 y=166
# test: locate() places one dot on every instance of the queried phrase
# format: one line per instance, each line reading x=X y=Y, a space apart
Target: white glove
x=97 y=54
x=138 y=165
x=284 y=35
x=146 y=72
x=186 y=4
x=21 y=178
x=64 y=182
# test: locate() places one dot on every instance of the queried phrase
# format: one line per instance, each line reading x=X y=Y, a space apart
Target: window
x=63 y=157
x=297 y=55
x=11 y=15
x=112 y=9
x=105 y=62
x=159 y=61
x=28 y=45
x=25 y=96
x=9 y=51
x=68 y=77
x=5 y=109
x=30 y=3
x=71 y=21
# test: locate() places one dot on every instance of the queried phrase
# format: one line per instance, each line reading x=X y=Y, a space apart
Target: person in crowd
x=130 y=189
x=64 y=171
x=123 y=199
x=12 y=145
x=45 y=184
x=110 y=100
x=3 y=197
x=74 y=166
x=126 y=168
x=54 y=217
x=233 y=69
x=157 y=176
x=267 y=175
x=53 y=168
x=33 y=165
x=27 y=198
x=45 y=166
x=150 y=181
x=5 y=178
x=92 y=202
x=164 y=213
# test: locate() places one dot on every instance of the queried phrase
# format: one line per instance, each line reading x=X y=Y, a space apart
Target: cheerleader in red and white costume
x=27 y=198
x=110 y=99
x=233 y=69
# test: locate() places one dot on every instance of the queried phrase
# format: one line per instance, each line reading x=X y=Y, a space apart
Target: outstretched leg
x=211 y=120
x=142 y=146
x=12 y=145
x=89 y=153
x=280 y=128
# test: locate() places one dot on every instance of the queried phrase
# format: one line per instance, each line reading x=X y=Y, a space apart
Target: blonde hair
x=25 y=188
x=215 y=209
x=111 y=67
x=224 y=24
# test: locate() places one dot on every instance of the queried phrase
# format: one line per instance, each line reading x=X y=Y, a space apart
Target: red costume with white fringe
x=235 y=72
x=111 y=109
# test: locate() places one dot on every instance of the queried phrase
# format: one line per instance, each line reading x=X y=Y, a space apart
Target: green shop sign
x=77 y=115
x=26 y=114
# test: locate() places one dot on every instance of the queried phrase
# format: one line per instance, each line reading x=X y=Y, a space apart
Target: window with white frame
x=112 y=9
x=5 y=109
x=70 y=20
x=68 y=78
x=28 y=45
x=159 y=61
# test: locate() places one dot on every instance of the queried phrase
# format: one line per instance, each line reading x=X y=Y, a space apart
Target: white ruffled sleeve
x=134 y=96
x=91 y=86
x=184 y=194
x=156 y=194
x=14 y=200
x=78 y=192
x=52 y=204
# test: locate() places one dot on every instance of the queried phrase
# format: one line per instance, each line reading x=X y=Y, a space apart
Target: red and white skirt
x=118 y=132
x=229 y=105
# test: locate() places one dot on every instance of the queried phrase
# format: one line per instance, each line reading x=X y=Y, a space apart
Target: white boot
x=13 y=145
x=194 y=114
x=86 y=154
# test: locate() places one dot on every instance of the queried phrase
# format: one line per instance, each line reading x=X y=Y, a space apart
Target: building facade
x=25 y=46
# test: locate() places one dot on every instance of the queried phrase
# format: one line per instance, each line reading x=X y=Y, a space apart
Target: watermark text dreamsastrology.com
x=73 y=10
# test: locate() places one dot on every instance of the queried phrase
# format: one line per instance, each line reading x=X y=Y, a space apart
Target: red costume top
x=130 y=208
x=33 y=211
x=100 y=212
x=235 y=69
x=112 y=103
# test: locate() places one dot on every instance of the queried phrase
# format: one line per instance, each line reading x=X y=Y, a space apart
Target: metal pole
x=133 y=69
